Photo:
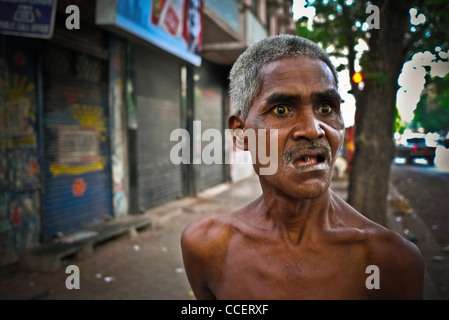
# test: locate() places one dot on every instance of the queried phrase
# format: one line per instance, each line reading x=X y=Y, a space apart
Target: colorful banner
x=173 y=25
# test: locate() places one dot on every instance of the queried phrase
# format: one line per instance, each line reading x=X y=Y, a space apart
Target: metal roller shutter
x=209 y=110
x=77 y=188
x=19 y=154
x=157 y=81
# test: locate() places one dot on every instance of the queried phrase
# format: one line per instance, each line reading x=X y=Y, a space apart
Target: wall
x=19 y=155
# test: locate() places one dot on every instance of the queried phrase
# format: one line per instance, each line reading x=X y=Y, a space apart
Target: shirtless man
x=299 y=239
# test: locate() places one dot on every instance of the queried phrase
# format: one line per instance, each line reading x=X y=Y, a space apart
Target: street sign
x=27 y=18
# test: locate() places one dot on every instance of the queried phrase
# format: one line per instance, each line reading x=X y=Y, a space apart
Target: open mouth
x=310 y=159
x=308 y=156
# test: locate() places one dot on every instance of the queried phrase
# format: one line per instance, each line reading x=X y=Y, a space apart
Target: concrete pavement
x=146 y=263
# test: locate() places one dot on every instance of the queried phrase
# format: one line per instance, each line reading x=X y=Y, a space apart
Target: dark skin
x=299 y=239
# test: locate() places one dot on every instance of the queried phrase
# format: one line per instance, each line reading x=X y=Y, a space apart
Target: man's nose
x=308 y=127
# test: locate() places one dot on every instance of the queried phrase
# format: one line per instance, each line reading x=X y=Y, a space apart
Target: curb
x=50 y=257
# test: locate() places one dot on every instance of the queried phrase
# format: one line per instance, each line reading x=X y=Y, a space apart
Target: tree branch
x=415 y=37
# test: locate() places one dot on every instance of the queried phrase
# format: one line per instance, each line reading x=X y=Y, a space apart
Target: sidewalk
x=146 y=262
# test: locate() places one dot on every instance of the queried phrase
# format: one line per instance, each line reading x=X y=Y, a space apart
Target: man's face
x=299 y=97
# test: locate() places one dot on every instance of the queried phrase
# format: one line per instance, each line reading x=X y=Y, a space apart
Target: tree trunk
x=374 y=146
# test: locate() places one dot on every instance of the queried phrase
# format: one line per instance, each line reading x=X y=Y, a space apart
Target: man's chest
x=272 y=273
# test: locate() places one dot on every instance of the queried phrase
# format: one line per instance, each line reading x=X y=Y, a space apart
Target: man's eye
x=281 y=110
x=325 y=109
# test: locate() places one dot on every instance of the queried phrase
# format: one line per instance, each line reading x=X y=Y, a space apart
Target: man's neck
x=295 y=218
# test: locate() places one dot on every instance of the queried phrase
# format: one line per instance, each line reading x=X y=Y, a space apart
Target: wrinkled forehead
x=298 y=72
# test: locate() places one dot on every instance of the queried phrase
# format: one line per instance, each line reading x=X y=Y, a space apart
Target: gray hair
x=244 y=76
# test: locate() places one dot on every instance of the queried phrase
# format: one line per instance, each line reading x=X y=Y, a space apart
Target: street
x=144 y=267
x=426 y=190
x=149 y=266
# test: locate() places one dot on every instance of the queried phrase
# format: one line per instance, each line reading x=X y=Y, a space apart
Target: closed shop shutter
x=19 y=154
x=209 y=110
x=157 y=92
x=77 y=188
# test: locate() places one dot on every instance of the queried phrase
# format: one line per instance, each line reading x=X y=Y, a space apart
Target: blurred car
x=444 y=142
x=416 y=148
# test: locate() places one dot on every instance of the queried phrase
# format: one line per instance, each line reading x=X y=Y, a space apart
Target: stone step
x=52 y=257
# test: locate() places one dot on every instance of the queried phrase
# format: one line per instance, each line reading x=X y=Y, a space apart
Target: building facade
x=86 y=112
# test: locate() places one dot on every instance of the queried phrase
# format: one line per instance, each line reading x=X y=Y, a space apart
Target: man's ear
x=237 y=123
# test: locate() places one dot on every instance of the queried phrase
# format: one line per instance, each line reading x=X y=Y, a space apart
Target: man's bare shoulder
x=400 y=262
x=391 y=246
x=382 y=242
x=204 y=243
x=208 y=235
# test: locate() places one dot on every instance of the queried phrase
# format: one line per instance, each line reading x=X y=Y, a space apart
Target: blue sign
x=173 y=25
x=28 y=18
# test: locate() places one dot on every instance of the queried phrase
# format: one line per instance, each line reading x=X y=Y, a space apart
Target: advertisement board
x=173 y=25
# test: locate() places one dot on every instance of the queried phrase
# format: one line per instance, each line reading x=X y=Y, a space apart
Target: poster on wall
x=28 y=18
x=77 y=144
x=173 y=25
